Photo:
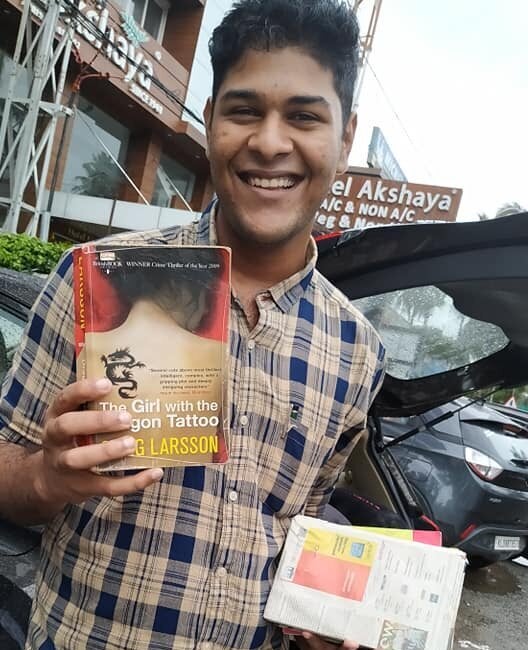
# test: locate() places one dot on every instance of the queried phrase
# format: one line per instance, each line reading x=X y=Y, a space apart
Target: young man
x=184 y=559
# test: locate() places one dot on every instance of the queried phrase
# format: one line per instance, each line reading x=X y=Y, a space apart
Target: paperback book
x=387 y=590
x=154 y=320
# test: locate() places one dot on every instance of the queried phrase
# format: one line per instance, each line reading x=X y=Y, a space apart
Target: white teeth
x=271 y=183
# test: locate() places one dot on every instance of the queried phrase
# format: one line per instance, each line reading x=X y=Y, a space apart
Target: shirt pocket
x=288 y=471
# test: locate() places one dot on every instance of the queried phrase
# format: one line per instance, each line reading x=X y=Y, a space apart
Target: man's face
x=275 y=138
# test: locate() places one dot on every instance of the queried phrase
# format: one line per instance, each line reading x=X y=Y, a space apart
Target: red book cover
x=154 y=320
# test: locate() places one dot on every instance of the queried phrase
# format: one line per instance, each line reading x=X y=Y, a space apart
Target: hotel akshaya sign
x=360 y=201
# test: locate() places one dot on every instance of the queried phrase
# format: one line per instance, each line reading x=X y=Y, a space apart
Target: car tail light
x=483 y=466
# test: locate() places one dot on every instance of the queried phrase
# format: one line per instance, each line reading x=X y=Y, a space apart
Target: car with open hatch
x=449 y=302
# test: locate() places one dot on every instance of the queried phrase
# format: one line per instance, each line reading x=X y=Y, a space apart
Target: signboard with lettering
x=380 y=155
x=116 y=47
x=362 y=201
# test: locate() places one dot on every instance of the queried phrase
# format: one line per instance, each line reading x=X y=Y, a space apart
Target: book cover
x=154 y=320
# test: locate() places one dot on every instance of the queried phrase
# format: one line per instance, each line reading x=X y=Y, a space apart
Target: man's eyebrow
x=306 y=100
x=238 y=94
x=247 y=94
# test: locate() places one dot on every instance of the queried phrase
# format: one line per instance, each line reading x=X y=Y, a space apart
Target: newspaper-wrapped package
x=345 y=582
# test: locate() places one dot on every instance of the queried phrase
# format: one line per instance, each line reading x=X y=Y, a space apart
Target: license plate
x=507 y=543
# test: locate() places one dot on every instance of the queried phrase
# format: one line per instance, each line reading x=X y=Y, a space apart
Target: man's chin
x=268 y=237
x=271 y=230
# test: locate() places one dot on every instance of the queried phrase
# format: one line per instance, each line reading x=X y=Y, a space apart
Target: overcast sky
x=451 y=96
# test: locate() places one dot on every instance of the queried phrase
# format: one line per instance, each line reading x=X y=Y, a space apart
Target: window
x=151 y=15
x=171 y=178
x=90 y=169
x=425 y=334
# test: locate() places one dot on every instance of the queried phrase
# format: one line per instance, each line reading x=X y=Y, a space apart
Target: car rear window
x=425 y=334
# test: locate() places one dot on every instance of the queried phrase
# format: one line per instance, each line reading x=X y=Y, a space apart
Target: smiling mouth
x=286 y=182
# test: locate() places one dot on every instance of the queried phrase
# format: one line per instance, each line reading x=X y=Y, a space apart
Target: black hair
x=184 y=292
x=326 y=29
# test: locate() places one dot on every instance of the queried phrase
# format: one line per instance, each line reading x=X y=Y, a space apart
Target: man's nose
x=271 y=137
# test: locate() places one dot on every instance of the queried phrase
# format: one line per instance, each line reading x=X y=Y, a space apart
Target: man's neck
x=264 y=265
x=256 y=267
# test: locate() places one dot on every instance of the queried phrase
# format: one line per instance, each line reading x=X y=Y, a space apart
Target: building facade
x=137 y=81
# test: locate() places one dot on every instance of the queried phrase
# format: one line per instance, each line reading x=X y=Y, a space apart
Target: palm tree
x=102 y=177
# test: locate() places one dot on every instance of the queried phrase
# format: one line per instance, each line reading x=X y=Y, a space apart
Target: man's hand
x=63 y=469
x=309 y=641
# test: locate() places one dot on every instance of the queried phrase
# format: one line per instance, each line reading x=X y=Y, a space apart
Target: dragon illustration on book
x=118 y=366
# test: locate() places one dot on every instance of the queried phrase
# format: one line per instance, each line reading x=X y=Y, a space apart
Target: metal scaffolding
x=365 y=43
x=27 y=129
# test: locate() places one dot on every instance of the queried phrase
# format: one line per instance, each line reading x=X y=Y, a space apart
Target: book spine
x=80 y=303
x=79 y=300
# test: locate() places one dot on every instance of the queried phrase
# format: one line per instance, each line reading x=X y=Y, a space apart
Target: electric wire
x=400 y=121
x=123 y=170
x=89 y=26
x=114 y=159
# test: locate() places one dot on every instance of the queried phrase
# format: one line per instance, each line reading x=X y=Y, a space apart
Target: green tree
x=418 y=304
x=25 y=253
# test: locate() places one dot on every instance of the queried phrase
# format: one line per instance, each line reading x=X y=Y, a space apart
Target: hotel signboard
x=362 y=201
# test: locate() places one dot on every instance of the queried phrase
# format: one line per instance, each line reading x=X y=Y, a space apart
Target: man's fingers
x=349 y=645
x=75 y=395
x=314 y=642
x=89 y=456
x=116 y=487
x=62 y=430
x=88 y=484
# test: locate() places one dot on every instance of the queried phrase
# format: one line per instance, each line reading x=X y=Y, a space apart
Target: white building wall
x=121 y=214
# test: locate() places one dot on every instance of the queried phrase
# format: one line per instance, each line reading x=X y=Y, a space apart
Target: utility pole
x=365 y=44
x=26 y=144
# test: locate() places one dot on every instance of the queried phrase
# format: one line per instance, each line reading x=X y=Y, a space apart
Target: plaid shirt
x=188 y=563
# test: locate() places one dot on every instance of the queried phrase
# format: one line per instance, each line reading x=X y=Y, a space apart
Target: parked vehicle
x=516 y=414
x=449 y=301
x=468 y=464
x=18 y=292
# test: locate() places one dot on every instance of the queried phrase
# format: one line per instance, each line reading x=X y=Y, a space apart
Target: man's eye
x=305 y=117
x=243 y=110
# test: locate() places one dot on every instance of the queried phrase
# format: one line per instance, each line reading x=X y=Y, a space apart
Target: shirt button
x=244 y=420
x=251 y=344
x=233 y=496
x=221 y=572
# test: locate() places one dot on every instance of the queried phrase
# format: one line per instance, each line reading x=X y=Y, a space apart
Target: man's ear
x=208 y=116
x=346 y=143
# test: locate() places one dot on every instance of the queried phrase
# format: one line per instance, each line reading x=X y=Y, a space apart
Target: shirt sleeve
x=44 y=362
x=332 y=468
